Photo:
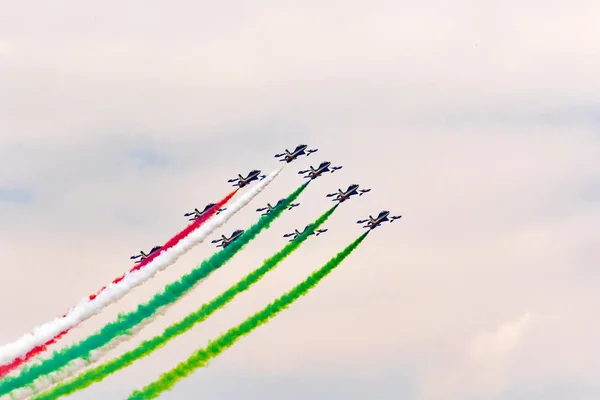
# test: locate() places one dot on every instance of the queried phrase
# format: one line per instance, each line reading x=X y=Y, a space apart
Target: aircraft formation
x=313 y=173
x=46 y=376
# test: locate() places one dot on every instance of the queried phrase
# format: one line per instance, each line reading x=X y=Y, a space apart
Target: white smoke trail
x=47 y=381
x=113 y=292
x=74 y=367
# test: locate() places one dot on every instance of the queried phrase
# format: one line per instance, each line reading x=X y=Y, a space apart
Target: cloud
x=85 y=68
x=477 y=122
x=555 y=389
x=482 y=368
x=492 y=348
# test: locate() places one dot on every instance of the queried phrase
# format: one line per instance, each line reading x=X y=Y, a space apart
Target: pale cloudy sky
x=478 y=121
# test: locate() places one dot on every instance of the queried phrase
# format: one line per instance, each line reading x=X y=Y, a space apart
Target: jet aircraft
x=270 y=208
x=351 y=191
x=143 y=255
x=296 y=233
x=373 y=223
x=315 y=173
x=300 y=150
x=225 y=241
x=253 y=175
x=197 y=214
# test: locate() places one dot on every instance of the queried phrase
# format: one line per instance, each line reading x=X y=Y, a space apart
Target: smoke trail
x=52 y=379
x=201 y=357
x=30 y=353
x=87 y=308
x=127 y=321
x=146 y=348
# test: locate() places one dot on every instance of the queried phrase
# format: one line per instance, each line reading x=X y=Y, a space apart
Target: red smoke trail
x=7 y=368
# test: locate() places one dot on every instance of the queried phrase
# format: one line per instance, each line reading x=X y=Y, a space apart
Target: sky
x=477 y=121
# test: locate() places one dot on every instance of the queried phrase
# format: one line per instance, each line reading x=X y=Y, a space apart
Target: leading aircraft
x=225 y=241
x=253 y=175
x=197 y=214
x=351 y=191
x=373 y=223
x=270 y=208
x=300 y=150
x=295 y=234
x=323 y=167
x=143 y=255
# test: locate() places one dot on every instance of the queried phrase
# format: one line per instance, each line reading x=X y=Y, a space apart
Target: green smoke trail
x=127 y=321
x=146 y=348
x=201 y=357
